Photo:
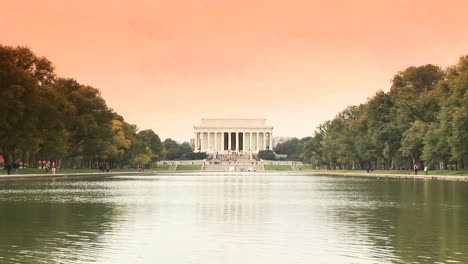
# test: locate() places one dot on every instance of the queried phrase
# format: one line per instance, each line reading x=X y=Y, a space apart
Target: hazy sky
x=166 y=64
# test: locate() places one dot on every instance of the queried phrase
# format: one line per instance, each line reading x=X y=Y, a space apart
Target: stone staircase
x=294 y=167
x=237 y=167
x=232 y=162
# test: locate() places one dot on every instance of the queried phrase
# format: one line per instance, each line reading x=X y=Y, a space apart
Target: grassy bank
x=189 y=167
x=278 y=167
x=405 y=172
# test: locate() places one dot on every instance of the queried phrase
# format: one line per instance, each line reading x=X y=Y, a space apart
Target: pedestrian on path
x=54 y=166
x=415 y=169
x=47 y=166
x=8 y=168
x=16 y=167
x=426 y=169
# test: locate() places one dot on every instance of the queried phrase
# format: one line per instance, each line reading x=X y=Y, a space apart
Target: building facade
x=225 y=135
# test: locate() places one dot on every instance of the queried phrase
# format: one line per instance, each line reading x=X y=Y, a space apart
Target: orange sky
x=165 y=64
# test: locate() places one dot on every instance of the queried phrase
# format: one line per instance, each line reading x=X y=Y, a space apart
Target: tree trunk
x=465 y=162
x=24 y=158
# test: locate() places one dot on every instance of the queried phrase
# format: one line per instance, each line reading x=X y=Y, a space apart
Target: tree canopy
x=422 y=120
x=46 y=117
x=266 y=155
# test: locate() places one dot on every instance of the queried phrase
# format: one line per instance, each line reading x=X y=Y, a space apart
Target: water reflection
x=234 y=218
x=45 y=222
x=431 y=219
x=409 y=221
x=232 y=204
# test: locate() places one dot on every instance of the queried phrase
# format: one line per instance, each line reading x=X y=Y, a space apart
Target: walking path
x=395 y=176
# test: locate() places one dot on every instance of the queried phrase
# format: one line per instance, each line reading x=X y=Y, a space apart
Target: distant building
x=224 y=135
x=279 y=140
x=192 y=143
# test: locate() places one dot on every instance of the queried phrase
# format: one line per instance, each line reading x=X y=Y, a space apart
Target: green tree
x=292 y=148
x=23 y=104
x=47 y=117
x=266 y=155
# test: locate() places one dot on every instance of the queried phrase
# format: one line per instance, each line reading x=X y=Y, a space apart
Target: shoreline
x=394 y=176
x=21 y=177
x=26 y=177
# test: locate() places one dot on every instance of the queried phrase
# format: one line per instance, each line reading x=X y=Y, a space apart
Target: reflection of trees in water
x=233 y=203
x=419 y=221
x=40 y=223
x=437 y=226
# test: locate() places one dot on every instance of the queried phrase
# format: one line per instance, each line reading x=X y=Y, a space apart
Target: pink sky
x=165 y=65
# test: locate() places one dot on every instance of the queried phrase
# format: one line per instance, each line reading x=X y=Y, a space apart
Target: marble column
x=264 y=141
x=208 y=141
x=211 y=142
x=250 y=141
x=271 y=141
x=237 y=141
x=229 y=140
x=201 y=142
x=199 y=145
x=216 y=141
x=258 y=141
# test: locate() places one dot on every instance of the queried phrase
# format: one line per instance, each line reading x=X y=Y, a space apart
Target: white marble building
x=224 y=135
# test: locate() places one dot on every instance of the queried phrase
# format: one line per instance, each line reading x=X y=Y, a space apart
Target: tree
x=266 y=155
x=453 y=115
x=23 y=97
x=423 y=118
x=292 y=148
x=152 y=142
x=48 y=117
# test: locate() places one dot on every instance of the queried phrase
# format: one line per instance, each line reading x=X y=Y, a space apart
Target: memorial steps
x=232 y=162
x=233 y=167
x=294 y=167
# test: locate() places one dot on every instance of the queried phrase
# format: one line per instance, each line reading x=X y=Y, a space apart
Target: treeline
x=422 y=120
x=46 y=117
x=172 y=150
x=293 y=148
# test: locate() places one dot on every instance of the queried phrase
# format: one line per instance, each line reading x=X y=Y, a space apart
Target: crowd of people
x=15 y=166
x=417 y=167
x=232 y=158
x=104 y=167
x=52 y=166
x=12 y=166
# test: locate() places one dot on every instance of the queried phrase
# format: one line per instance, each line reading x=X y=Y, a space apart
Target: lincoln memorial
x=215 y=135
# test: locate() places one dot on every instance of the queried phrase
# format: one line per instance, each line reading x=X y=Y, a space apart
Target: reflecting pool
x=233 y=218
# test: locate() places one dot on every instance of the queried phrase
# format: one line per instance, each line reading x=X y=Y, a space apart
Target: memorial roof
x=233 y=123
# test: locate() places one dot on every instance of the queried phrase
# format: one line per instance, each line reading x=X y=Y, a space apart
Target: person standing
x=426 y=169
x=47 y=166
x=8 y=168
x=54 y=166
x=16 y=167
x=107 y=167
x=415 y=169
